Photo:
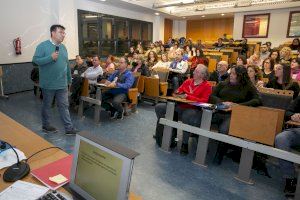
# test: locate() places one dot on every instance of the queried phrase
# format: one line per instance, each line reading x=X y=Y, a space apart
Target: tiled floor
x=157 y=175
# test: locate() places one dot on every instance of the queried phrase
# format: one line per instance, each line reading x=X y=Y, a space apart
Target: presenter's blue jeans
x=285 y=141
x=61 y=97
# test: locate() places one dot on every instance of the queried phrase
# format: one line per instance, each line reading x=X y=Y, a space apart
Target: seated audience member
x=282 y=80
x=172 y=51
x=285 y=55
x=199 y=45
x=89 y=61
x=196 y=89
x=221 y=73
x=163 y=63
x=131 y=52
x=162 y=49
x=269 y=45
x=151 y=48
x=109 y=67
x=224 y=38
x=295 y=68
x=199 y=58
x=79 y=67
x=120 y=82
x=231 y=43
x=244 y=46
x=177 y=68
x=188 y=52
x=152 y=59
x=254 y=60
x=255 y=76
x=237 y=89
x=139 y=66
x=219 y=44
x=241 y=61
x=264 y=52
x=93 y=72
x=275 y=56
x=286 y=140
x=268 y=68
x=295 y=46
x=139 y=48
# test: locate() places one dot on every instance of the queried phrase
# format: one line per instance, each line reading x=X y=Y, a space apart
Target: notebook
x=59 y=167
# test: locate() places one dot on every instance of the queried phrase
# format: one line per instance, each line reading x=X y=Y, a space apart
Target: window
x=256 y=26
x=294 y=24
x=105 y=34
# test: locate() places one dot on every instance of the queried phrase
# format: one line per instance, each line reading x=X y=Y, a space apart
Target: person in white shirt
x=177 y=68
x=163 y=63
x=93 y=72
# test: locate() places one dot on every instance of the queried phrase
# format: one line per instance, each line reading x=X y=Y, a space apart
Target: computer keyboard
x=54 y=195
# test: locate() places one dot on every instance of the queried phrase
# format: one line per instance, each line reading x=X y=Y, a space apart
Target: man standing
x=55 y=75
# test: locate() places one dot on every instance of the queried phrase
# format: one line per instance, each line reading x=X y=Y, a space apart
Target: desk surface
x=177 y=99
x=29 y=142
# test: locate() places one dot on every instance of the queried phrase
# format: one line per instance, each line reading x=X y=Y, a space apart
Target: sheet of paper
x=58 y=179
x=23 y=190
x=8 y=157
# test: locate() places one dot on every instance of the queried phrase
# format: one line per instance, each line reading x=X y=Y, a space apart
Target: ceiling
x=189 y=9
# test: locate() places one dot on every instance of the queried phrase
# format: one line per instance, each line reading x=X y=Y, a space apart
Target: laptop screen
x=98 y=171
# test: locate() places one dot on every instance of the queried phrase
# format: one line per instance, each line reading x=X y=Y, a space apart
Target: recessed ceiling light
x=183 y=17
x=203 y=16
x=102 y=0
x=222 y=14
x=156 y=13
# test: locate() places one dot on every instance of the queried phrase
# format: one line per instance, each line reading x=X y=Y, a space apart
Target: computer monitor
x=101 y=169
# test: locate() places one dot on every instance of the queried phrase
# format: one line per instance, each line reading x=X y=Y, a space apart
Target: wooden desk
x=176 y=99
x=29 y=142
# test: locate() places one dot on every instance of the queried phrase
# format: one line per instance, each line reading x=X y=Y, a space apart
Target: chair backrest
x=137 y=76
x=163 y=74
x=151 y=87
x=276 y=98
x=85 y=88
x=212 y=63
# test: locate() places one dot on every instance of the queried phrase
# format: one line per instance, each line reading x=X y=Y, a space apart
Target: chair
x=212 y=63
x=132 y=95
x=273 y=98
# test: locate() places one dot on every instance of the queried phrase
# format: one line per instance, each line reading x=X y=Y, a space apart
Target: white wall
x=29 y=20
x=34 y=18
x=179 y=28
x=277 y=26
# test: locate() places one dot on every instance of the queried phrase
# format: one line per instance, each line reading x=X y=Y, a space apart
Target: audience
x=295 y=68
x=219 y=44
x=221 y=73
x=282 y=80
x=151 y=48
x=264 y=52
x=286 y=140
x=120 y=82
x=163 y=63
x=295 y=46
x=237 y=89
x=197 y=59
x=177 y=68
x=196 y=89
x=139 y=66
x=79 y=67
x=268 y=68
x=255 y=76
x=244 y=46
x=255 y=60
x=92 y=73
x=275 y=56
x=152 y=59
x=139 y=48
x=285 y=55
x=131 y=52
x=241 y=61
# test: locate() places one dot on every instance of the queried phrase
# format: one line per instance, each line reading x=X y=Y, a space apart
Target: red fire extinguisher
x=17 y=45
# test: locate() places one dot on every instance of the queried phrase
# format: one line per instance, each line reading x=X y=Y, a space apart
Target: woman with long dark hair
x=237 y=89
x=282 y=80
x=268 y=68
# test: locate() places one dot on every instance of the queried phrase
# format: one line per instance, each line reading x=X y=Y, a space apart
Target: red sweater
x=199 y=93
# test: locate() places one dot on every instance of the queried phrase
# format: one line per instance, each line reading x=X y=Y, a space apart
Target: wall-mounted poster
x=294 y=24
x=256 y=26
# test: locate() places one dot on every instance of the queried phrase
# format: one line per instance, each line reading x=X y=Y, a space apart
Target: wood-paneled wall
x=168 y=31
x=209 y=29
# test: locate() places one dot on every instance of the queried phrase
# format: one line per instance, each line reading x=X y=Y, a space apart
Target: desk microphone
x=16 y=171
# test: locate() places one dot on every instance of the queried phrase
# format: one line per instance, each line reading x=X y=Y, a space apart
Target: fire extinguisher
x=17 y=45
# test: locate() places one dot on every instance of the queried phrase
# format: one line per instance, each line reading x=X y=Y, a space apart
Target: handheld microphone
x=56 y=49
x=16 y=171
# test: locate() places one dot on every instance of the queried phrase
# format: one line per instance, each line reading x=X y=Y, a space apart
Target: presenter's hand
x=296 y=117
x=54 y=56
